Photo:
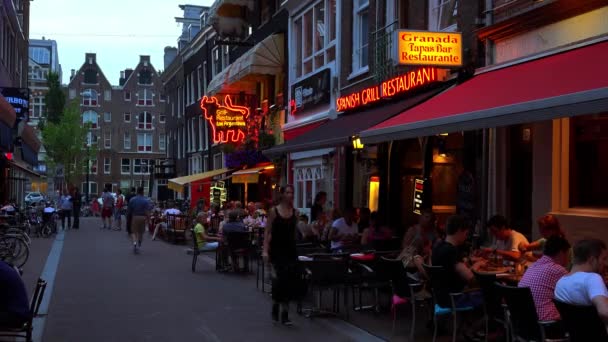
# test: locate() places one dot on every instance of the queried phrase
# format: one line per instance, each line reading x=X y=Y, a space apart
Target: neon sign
x=429 y=48
x=397 y=85
x=228 y=122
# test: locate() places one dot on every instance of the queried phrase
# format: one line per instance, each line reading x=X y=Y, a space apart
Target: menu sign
x=429 y=48
x=418 y=195
x=311 y=92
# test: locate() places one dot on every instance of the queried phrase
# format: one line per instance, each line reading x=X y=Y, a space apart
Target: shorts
x=106 y=212
x=138 y=225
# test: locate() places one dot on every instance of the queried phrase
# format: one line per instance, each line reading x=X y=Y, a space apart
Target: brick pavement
x=105 y=293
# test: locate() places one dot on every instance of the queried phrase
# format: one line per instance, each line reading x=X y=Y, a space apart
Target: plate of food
x=490 y=269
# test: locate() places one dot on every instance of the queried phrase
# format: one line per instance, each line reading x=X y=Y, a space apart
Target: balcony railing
x=383 y=64
x=505 y=9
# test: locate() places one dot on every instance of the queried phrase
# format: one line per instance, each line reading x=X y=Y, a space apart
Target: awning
x=566 y=84
x=251 y=175
x=24 y=167
x=228 y=17
x=177 y=184
x=29 y=137
x=265 y=58
x=339 y=132
x=7 y=112
x=290 y=134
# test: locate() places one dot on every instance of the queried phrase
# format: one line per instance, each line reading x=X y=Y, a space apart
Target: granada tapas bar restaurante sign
x=228 y=122
x=394 y=86
x=429 y=48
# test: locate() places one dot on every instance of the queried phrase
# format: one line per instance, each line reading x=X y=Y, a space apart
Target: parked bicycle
x=14 y=246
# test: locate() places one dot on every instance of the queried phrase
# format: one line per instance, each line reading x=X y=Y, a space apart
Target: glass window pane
x=364 y=34
x=332 y=19
x=319 y=28
x=308 y=34
x=298 y=39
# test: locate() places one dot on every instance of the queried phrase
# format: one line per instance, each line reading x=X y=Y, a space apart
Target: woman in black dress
x=280 y=251
x=76 y=205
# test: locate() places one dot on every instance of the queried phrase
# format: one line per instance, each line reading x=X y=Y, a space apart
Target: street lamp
x=89 y=138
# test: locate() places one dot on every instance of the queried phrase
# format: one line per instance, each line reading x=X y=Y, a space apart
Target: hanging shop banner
x=311 y=92
x=19 y=98
x=442 y=49
x=418 y=195
x=228 y=122
x=395 y=86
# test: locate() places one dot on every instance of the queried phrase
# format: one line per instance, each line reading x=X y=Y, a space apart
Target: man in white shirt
x=344 y=230
x=584 y=284
x=507 y=243
x=163 y=225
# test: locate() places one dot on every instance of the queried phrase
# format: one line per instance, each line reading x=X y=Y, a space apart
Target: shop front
x=198 y=186
x=534 y=128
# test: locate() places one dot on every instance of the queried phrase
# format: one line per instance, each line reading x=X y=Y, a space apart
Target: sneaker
x=275 y=313
x=285 y=319
x=135 y=249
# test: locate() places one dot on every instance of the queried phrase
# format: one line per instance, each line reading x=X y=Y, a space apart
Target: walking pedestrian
x=280 y=251
x=107 y=208
x=65 y=206
x=120 y=203
x=129 y=216
x=76 y=205
x=139 y=207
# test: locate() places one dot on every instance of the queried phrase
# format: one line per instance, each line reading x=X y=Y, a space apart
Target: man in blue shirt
x=14 y=306
x=139 y=207
x=65 y=206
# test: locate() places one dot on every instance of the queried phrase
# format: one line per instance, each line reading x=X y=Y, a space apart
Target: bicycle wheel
x=46 y=230
x=14 y=250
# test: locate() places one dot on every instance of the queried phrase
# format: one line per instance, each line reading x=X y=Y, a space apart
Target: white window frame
x=329 y=43
x=148 y=98
x=162 y=118
x=216 y=61
x=107 y=117
x=146 y=123
x=147 y=146
x=90 y=98
x=124 y=116
x=94 y=121
x=162 y=142
x=107 y=95
x=93 y=166
x=310 y=172
x=359 y=66
x=436 y=8
x=107 y=165
x=127 y=95
x=107 y=140
x=141 y=166
x=127 y=141
x=123 y=165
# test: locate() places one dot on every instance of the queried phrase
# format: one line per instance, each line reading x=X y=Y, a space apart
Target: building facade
x=19 y=144
x=127 y=125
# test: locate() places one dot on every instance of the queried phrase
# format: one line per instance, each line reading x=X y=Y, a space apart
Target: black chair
x=327 y=272
x=26 y=330
x=581 y=322
x=177 y=226
x=196 y=252
x=522 y=316
x=493 y=308
x=239 y=247
x=437 y=276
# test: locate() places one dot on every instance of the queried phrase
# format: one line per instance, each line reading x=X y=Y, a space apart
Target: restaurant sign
x=311 y=92
x=429 y=48
x=394 y=86
x=19 y=98
x=418 y=195
x=228 y=122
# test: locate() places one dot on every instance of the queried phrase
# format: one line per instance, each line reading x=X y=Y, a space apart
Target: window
x=162 y=142
x=89 y=97
x=140 y=166
x=125 y=166
x=145 y=76
x=205 y=163
x=314 y=36
x=127 y=141
x=141 y=183
x=127 y=96
x=40 y=55
x=225 y=56
x=90 y=117
x=588 y=165
x=144 y=97
x=90 y=76
x=91 y=139
x=308 y=181
x=37 y=107
x=107 y=140
x=92 y=188
x=106 y=165
x=360 y=36
x=218 y=161
x=93 y=166
x=144 y=142
x=216 y=65
x=127 y=117
x=107 y=117
x=442 y=15
x=162 y=98
x=107 y=95
x=162 y=118
x=144 y=120
x=203 y=77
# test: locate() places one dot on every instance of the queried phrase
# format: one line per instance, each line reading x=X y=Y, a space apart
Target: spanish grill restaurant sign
x=441 y=49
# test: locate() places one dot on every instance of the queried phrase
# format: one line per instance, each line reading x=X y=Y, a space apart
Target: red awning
x=295 y=132
x=566 y=84
x=7 y=112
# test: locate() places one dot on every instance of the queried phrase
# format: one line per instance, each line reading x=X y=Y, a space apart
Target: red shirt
x=541 y=278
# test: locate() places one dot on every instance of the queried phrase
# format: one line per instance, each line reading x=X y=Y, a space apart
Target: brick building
x=128 y=124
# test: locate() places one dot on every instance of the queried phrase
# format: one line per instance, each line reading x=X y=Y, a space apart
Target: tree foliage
x=65 y=143
x=54 y=99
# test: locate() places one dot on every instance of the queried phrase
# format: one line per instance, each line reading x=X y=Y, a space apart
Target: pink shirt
x=541 y=278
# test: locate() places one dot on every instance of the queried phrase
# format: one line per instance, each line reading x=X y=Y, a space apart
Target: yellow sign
x=245 y=178
x=429 y=48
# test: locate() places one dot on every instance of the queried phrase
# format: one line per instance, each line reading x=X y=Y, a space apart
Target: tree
x=65 y=143
x=54 y=99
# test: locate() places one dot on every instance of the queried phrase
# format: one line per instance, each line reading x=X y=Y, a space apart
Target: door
x=519 y=178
